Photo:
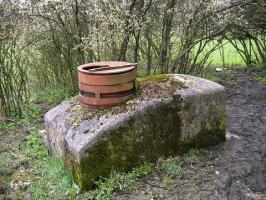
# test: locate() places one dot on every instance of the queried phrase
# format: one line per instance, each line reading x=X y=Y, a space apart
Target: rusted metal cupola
x=106 y=83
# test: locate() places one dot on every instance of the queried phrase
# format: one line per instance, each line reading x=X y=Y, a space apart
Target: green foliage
x=118 y=181
x=53 y=95
x=13 y=78
x=261 y=66
x=211 y=77
x=7 y=126
x=230 y=54
x=5 y=160
x=261 y=79
x=51 y=178
x=159 y=78
x=32 y=113
x=192 y=156
x=5 y=165
x=34 y=146
x=170 y=167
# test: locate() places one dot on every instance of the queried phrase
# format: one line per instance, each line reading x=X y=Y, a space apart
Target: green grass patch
x=52 y=95
x=106 y=188
x=32 y=113
x=261 y=79
x=170 y=167
x=34 y=147
x=231 y=56
x=211 y=77
x=52 y=180
x=192 y=156
x=8 y=126
x=5 y=166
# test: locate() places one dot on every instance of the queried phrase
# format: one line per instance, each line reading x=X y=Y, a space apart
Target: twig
x=154 y=185
x=234 y=94
x=18 y=155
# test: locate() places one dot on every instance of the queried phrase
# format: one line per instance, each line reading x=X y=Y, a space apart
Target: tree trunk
x=136 y=49
x=148 y=53
x=166 y=36
x=123 y=49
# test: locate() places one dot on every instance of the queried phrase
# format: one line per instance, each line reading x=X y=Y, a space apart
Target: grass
x=170 y=167
x=52 y=95
x=211 y=77
x=51 y=176
x=192 y=156
x=261 y=79
x=7 y=126
x=5 y=166
x=231 y=56
x=53 y=180
x=24 y=150
x=106 y=188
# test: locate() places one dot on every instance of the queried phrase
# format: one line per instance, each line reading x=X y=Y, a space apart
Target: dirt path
x=233 y=170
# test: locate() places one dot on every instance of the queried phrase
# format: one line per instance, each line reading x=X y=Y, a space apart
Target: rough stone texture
x=169 y=115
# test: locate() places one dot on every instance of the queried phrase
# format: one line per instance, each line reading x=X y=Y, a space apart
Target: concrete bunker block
x=169 y=115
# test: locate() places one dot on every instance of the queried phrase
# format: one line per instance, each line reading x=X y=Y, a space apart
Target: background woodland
x=42 y=42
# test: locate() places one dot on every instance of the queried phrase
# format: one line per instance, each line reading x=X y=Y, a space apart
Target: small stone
x=21 y=179
x=217 y=173
x=218 y=69
x=42 y=132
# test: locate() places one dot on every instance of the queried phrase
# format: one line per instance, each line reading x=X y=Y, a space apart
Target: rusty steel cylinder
x=106 y=83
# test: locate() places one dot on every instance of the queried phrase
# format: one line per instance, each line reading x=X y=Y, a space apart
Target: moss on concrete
x=147 y=88
x=162 y=78
x=118 y=150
